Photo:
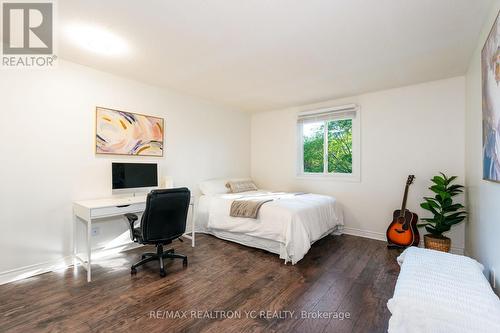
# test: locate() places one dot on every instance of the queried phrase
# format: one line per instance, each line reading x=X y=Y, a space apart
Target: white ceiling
x=266 y=54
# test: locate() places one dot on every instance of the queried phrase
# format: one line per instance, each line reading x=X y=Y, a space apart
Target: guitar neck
x=403 y=205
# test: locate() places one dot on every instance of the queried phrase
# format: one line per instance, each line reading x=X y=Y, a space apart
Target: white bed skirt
x=268 y=245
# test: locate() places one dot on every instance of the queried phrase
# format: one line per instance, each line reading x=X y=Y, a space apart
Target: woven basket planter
x=439 y=243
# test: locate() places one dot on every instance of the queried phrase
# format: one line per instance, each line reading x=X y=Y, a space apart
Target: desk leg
x=192 y=236
x=75 y=225
x=191 y=217
x=192 y=225
x=89 y=266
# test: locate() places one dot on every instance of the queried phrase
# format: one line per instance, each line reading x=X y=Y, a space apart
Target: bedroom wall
x=399 y=130
x=47 y=134
x=483 y=229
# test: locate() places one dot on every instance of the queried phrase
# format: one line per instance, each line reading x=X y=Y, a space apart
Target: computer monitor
x=134 y=177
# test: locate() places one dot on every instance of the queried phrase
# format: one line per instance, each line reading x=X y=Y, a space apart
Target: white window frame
x=356 y=145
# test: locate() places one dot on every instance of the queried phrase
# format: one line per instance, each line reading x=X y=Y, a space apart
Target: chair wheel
x=133 y=271
x=185 y=262
x=163 y=273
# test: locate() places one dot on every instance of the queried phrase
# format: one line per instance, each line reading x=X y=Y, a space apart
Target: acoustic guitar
x=403 y=232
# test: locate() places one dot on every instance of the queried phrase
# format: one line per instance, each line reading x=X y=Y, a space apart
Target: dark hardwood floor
x=341 y=275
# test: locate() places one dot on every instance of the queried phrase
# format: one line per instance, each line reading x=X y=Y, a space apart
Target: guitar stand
x=393 y=246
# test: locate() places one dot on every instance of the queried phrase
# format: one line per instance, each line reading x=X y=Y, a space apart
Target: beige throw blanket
x=246 y=208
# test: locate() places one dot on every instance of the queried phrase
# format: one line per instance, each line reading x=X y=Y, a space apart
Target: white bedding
x=442 y=292
x=295 y=221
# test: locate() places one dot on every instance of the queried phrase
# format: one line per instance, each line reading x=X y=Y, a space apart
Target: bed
x=287 y=225
x=442 y=292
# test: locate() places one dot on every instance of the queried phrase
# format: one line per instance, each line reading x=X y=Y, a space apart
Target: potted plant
x=446 y=213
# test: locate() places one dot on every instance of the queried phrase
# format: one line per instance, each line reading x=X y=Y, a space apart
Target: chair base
x=159 y=255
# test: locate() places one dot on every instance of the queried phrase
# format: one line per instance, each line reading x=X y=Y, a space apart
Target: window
x=314 y=147
x=329 y=142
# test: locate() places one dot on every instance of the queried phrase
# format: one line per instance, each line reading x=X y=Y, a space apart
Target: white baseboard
x=457 y=250
x=364 y=233
x=36 y=269
x=61 y=264
x=381 y=236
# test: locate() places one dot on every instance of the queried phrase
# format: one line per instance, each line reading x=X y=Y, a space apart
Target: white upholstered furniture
x=442 y=292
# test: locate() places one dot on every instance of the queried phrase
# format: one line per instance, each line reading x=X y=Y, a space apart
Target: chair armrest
x=131 y=220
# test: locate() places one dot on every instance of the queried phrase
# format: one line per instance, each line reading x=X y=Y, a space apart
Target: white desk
x=89 y=210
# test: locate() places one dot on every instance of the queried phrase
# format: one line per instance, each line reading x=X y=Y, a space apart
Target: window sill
x=330 y=177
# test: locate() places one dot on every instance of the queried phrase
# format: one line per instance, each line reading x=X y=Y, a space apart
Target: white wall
x=483 y=229
x=48 y=160
x=411 y=130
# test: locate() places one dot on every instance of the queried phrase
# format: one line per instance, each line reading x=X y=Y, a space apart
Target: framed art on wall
x=126 y=133
x=490 y=70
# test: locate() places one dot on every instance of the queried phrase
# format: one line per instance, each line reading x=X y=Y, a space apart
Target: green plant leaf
x=430 y=229
x=451 y=179
x=431 y=199
x=437 y=188
x=443 y=228
x=455 y=192
x=429 y=206
x=450 y=222
x=443 y=196
x=433 y=202
x=446 y=179
x=455 y=215
x=455 y=188
x=433 y=230
x=438 y=180
x=447 y=202
x=439 y=229
x=452 y=208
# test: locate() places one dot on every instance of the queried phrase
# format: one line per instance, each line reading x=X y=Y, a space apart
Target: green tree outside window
x=339 y=146
x=313 y=147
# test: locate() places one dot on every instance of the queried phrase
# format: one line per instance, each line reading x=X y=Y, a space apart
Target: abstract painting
x=490 y=70
x=126 y=133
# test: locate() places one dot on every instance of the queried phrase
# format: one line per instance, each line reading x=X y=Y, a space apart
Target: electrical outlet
x=493 y=278
x=95 y=231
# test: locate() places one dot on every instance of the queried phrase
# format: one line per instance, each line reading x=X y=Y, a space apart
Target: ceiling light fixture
x=97 y=39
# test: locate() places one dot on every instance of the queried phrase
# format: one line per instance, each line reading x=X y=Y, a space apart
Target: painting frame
x=99 y=151
x=490 y=109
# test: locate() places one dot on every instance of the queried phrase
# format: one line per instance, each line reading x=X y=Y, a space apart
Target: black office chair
x=163 y=221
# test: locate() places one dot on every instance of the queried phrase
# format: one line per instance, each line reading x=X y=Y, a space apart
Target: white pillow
x=217 y=186
x=214 y=186
x=237 y=186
